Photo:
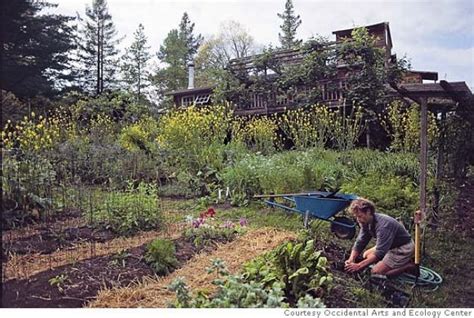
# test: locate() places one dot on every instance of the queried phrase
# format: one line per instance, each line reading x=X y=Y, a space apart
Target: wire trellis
x=45 y=199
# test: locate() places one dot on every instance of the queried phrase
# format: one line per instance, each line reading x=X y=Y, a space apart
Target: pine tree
x=192 y=42
x=173 y=54
x=35 y=47
x=179 y=47
x=291 y=22
x=134 y=63
x=97 y=52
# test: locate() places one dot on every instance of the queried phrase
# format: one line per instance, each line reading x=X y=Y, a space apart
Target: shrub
x=306 y=128
x=258 y=133
x=403 y=126
x=161 y=256
x=192 y=141
x=140 y=135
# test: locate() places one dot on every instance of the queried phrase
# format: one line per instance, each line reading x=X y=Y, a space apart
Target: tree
x=291 y=22
x=179 y=47
x=34 y=48
x=233 y=41
x=173 y=54
x=192 y=42
x=134 y=63
x=97 y=52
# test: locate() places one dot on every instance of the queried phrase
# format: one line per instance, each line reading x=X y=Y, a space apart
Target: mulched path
x=83 y=280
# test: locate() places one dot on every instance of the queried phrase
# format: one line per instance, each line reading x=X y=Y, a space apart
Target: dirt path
x=154 y=293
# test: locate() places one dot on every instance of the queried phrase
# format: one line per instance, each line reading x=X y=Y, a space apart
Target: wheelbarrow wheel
x=343 y=232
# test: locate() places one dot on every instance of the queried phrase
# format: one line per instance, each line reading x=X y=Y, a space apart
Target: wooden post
x=439 y=173
x=423 y=176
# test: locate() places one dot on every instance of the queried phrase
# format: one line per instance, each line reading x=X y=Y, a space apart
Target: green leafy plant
x=297 y=265
x=402 y=124
x=130 y=211
x=238 y=291
x=233 y=292
x=207 y=236
x=396 y=196
x=120 y=259
x=161 y=255
x=59 y=281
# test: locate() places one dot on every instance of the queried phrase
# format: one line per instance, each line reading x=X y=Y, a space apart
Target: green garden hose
x=428 y=278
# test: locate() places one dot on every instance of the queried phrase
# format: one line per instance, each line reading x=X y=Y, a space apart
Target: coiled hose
x=428 y=279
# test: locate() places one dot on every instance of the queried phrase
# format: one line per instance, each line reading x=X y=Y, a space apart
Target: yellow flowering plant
x=402 y=124
x=258 y=133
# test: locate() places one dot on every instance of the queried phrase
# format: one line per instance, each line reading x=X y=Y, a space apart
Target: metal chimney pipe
x=191 y=75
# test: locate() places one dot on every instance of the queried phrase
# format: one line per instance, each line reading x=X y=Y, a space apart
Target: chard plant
x=296 y=265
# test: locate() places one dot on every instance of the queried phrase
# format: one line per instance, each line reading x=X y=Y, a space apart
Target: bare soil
x=49 y=240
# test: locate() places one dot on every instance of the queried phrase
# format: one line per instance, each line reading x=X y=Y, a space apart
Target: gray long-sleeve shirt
x=388 y=232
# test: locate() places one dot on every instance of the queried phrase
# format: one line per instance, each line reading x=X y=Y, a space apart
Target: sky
x=435 y=35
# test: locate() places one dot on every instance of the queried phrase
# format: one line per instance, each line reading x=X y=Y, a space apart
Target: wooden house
x=331 y=90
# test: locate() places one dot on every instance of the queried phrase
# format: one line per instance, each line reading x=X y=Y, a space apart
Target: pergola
x=441 y=98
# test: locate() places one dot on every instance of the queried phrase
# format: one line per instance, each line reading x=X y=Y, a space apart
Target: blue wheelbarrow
x=318 y=205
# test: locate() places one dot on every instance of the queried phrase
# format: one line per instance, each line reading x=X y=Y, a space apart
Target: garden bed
x=49 y=240
x=155 y=293
x=24 y=266
x=17 y=219
x=74 y=285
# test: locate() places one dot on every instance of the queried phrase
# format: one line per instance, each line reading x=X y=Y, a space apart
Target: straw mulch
x=24 y=266
x=154 y=292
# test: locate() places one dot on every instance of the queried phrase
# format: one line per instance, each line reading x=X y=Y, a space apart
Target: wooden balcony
x=331 y=95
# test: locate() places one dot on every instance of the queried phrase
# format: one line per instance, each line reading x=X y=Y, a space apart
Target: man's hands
x=352 y=267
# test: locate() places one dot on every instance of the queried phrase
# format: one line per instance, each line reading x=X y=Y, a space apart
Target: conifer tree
x=178 y=48
x=135 y=63
x=98 y=51
x=291 y=22
x=191 y=41
x=35 y=47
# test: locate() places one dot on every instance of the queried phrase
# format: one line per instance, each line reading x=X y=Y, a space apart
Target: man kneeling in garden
x=394 y=248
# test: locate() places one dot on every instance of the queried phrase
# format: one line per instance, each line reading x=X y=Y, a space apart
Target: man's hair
x=362 y=205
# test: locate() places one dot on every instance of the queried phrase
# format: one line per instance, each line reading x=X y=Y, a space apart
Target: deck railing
x=331 y=93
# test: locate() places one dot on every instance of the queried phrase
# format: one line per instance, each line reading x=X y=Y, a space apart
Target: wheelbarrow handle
x=321 y=194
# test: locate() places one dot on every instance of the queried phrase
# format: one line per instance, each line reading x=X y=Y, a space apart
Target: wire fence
x=60 y=212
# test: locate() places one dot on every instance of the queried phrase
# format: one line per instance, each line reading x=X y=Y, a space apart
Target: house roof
x=205 y=89
x=372 y=27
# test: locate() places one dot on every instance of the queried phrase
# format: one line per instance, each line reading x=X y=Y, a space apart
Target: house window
x=187 y=100
x=202 y=99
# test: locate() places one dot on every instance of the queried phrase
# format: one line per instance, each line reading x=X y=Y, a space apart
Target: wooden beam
x=405 y=93
x=449 y=89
